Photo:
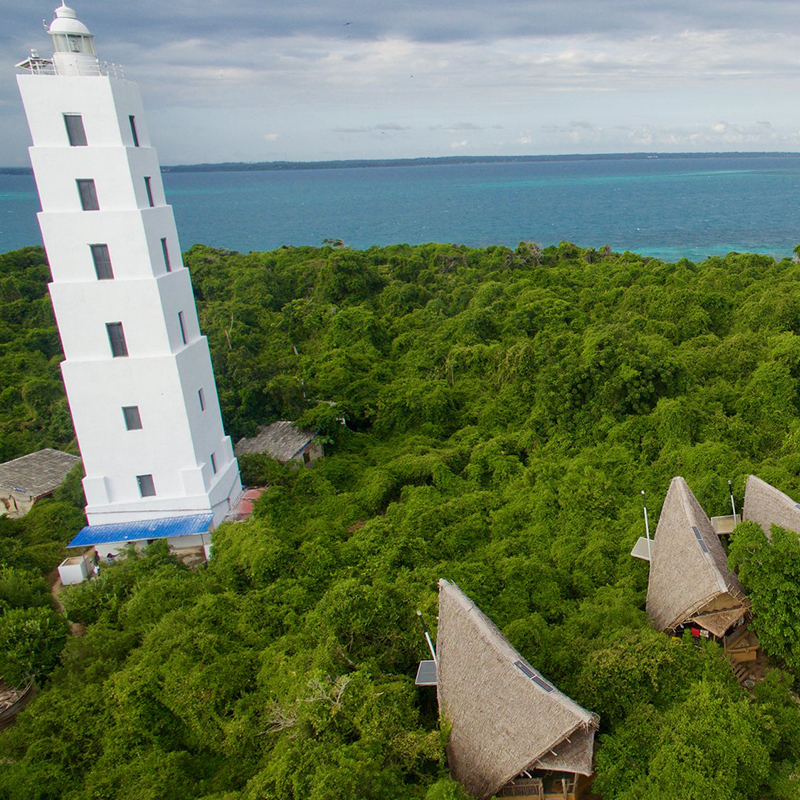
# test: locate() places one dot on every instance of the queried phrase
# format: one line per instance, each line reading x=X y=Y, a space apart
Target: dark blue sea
x=665 y=207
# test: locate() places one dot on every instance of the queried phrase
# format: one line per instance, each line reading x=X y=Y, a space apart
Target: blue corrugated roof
x=141 y=530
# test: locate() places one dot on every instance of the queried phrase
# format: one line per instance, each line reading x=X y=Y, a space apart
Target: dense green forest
x=504 y=408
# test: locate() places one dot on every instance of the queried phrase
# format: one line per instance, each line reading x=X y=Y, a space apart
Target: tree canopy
x=503 y=409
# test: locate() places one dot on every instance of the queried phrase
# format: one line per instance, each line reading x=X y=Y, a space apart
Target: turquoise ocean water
x=668 y=208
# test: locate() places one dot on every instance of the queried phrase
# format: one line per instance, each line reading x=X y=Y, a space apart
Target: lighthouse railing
x=45 y=66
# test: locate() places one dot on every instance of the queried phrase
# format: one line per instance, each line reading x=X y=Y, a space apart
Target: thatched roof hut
x=689 y=575
x=767 y=506
x=505 y=717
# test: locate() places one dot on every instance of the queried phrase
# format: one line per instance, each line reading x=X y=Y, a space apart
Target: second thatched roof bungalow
x=691 y=587
x=512 y=732
x=767 y=506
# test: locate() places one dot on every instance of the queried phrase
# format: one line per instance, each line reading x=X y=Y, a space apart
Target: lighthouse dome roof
x=67 y=21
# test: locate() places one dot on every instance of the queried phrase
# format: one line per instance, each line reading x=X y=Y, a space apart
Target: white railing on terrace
x=45 y=66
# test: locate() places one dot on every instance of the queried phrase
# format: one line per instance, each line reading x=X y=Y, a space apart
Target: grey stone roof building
x=27 y=479
x=284 y=442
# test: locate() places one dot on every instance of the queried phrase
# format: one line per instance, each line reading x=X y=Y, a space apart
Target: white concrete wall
x=147 y=308
x=105 y=104
x=161 y=374
x=133 y=238
x=118 y=174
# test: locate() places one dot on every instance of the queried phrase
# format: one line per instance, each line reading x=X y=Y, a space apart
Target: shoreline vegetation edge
x=432 y=161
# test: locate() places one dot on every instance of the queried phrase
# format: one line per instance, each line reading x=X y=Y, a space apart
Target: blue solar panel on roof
x=529 y=673
x=142 y=530
x=524 y=669
x=700 y=540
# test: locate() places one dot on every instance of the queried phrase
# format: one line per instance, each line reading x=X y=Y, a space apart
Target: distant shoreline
x=272 y=166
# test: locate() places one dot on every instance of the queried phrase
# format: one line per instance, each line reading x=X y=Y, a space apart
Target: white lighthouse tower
x=138 y=371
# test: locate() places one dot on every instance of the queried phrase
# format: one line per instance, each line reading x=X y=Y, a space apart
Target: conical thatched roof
x=504 y=716
x=689 y=569
x=767 y=506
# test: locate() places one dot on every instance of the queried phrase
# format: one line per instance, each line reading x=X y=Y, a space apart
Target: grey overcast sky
x=261 y=80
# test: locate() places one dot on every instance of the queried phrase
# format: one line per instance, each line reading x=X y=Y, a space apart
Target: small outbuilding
x=691 y=587
x=29 y=478
x=512 y=732
x=767 y=506
x=74 y=569
x=284 y=442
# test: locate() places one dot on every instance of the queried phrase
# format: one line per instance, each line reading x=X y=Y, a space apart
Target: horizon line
x=345 y=163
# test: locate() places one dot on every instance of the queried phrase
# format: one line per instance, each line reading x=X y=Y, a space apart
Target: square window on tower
x=165 y=252
x=116 y=338
x=134 y=132
x=88 y=194
x=147 y=486
x=148 y=185
x=102 y=262
x=133 y=420
x=75 y=130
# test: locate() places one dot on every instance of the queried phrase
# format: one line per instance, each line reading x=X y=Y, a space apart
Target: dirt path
x=56 y=587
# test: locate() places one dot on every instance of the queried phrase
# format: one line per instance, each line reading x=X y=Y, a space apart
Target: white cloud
x=381 y=128
x=573 y=72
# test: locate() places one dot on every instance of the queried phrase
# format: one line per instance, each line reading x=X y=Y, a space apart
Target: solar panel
x=529 y=673
x=524 y=669
x=642 y=549
x=426 y=674
x=700 y=540
x=542 y=683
